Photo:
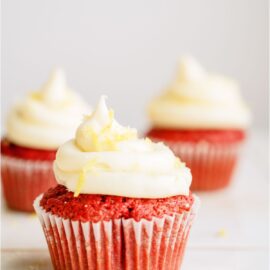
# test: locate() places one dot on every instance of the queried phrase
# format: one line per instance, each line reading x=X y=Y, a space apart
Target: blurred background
x=129 y=50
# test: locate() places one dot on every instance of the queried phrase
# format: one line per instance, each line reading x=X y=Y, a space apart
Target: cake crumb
x=221 y=233
x=33 y=215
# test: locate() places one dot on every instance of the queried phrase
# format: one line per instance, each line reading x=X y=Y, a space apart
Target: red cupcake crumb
x=12 y=150
x=87 y=207
x=212 y=136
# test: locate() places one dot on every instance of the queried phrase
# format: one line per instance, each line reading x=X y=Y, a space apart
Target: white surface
x=195 y=259
x=129 y=49
x=239 y=211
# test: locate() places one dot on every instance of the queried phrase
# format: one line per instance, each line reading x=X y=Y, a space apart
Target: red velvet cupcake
x=121 y=202
x=113 y=232
x=35 y=129
x=25 y=173
x=203 y=119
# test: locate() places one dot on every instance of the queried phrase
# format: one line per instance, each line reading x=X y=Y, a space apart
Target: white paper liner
x=212 y=164
x=23 y=180
x=117 y=244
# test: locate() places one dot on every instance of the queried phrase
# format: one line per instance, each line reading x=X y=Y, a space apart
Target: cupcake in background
x=121 y=203
x=35 y=128
x=203 y=119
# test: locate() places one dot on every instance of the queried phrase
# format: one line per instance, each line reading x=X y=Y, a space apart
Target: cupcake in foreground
x=36 y=127
x=203 y=118
x=121 y=203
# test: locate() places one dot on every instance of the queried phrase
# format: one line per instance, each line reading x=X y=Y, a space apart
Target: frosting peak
x=107 y=158
x=54 y=91
x=190 y=70
x=46 y=118
x=197 y=99
x=101 y=132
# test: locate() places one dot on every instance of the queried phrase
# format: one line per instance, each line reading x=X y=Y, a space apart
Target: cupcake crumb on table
x=221 y=233
x=121 y=202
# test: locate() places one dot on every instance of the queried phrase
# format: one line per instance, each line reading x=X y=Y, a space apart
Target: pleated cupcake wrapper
x=23 y=180
x=212 y=164
x=158 y=244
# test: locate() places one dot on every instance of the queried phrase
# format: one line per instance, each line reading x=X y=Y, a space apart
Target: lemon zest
x=86 y=168
x=36 y=95
x=89 y=166
x=106 y=140
x=179 y=163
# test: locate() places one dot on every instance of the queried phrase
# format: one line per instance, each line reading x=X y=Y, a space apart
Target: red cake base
x=116 y=241
x=210 y=154
x=12 y=150
x=88 y=207
x=25 y=174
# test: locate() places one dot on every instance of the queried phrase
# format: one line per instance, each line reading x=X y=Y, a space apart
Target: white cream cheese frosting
x=107 y=158
x=46 y=118
x=199 y=100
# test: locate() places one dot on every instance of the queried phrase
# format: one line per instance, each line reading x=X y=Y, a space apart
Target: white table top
x=231 y=230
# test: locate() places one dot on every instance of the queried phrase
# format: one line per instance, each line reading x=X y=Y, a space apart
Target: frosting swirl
x=107 y=158
x=197 y=99
x=46 y=118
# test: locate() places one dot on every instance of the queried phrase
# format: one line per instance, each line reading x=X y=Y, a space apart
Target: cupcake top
x=199 y=100
x=107 y=158
x=46 y=118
